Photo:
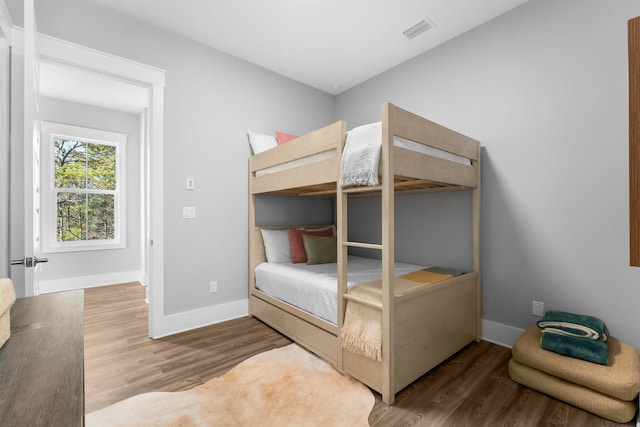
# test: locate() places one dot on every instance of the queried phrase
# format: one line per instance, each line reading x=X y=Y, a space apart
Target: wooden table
x=42 y=363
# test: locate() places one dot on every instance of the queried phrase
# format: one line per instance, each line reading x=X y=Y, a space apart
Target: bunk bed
x=421 y=326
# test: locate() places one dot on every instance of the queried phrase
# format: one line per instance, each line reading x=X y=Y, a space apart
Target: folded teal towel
x=575 y=325
x=590 y=350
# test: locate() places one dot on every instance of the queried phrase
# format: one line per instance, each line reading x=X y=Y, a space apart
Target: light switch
x=191 y=185
x=188 y=212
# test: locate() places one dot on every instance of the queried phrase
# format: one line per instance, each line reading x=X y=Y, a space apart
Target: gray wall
x=544 y=88
x=211 y=100
x=433 y=230
x=73 y=264
x=287 y=210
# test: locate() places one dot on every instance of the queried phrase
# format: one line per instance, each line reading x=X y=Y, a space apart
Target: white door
x=5 y=140
x=32 y=255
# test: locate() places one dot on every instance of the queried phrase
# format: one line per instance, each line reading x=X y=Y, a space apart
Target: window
x=83 y=205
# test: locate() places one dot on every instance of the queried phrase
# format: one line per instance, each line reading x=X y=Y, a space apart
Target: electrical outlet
x=213 y=286
x=538 y=308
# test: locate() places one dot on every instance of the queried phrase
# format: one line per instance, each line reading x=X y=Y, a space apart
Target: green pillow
x=320 y=249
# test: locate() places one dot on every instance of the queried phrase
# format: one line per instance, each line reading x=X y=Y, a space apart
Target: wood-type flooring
x=472 y=388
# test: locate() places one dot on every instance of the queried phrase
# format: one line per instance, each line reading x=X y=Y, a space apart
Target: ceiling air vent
x=418 y=29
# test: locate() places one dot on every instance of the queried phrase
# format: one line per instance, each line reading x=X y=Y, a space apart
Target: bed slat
x=317 y=173
x=416 y=165
x=415 y=128
x=318 y=141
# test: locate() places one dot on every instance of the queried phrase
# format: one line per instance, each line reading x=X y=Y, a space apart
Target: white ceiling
x=331 y=45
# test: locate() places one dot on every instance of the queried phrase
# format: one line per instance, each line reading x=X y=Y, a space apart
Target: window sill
x=83 y=247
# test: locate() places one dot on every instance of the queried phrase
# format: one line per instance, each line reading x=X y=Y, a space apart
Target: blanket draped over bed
x=361 y=155
x=362 y=328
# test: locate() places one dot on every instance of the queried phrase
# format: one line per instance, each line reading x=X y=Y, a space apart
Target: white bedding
x=313 y=288
x=397 y=141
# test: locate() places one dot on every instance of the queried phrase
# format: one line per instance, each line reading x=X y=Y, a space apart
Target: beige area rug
x=286 y=386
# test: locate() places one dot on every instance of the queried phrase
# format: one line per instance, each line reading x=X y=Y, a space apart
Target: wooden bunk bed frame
x=420 y=329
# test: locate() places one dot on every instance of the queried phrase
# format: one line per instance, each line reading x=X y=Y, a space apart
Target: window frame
x=50 y=131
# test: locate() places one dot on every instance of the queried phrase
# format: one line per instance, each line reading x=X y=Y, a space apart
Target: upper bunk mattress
x=313 y=288
x=397 y=141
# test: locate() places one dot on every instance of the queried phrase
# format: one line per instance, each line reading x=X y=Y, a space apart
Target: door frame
x=31 y=150
x=152 y=78
x=5 y=136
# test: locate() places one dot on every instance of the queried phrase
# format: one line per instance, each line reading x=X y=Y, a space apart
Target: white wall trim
x=493 y=332
x=66 y=52
x=84 y=282
x=155 y=191
x=188 y=320
x=500 y=334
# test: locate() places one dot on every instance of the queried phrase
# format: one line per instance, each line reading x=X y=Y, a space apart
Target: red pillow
x=298 y=253
x=284 y=137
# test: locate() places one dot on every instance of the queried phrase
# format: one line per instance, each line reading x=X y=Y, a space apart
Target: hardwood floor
x=121 y=361
x=470 y=389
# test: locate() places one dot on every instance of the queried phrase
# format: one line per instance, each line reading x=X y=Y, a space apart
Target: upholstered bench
x=608 y=391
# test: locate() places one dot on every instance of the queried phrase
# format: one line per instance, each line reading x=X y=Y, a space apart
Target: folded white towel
x=572 y=330
x=361 y=155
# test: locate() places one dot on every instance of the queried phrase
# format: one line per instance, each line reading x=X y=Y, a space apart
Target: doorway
x=90 y=243
x=131 y=77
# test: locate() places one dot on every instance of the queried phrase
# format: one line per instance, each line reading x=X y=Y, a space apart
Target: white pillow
x=260 y=142
x=276 y=245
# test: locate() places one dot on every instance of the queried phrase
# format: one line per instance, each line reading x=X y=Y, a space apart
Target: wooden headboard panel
x=258 y=254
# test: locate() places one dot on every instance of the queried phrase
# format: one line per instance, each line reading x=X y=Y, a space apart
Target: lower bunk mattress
x=313 y=287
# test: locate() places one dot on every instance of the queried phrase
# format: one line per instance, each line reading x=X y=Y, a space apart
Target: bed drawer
x=313 y=338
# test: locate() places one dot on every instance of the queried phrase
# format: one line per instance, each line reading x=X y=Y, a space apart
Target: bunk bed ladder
x=388 y=256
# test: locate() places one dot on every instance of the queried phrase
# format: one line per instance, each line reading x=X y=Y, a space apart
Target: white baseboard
x=187 y=320
x=499 y=333
x=493 y=332
x=84 y=282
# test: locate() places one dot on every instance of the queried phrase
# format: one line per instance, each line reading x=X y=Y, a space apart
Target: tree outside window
x=85 y=185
